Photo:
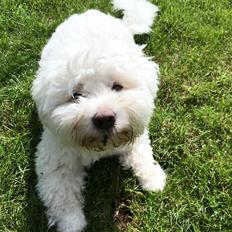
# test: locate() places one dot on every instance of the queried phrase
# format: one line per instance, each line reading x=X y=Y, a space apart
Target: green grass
x=191 y=130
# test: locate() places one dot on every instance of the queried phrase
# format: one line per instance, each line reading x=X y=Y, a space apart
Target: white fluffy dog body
x=94 y=93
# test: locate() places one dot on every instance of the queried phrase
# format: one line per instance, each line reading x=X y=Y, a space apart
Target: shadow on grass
x=141 y=39
x=36 y=220
x=102 y=194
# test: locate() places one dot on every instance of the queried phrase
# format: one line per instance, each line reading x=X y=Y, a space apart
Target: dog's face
x=98 y=109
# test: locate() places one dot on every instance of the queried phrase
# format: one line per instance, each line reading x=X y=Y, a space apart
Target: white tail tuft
x=138 y=14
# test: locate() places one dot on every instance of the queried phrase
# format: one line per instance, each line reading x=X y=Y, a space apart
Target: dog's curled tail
x=138 y=14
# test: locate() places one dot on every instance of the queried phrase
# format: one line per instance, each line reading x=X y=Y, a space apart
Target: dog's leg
x=140 y=158
x=60 y=183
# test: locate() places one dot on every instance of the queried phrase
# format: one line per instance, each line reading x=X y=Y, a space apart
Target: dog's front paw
x=72 y=223
x=155 y=181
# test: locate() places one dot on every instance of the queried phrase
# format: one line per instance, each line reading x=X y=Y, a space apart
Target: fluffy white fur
x=138 y=15
x=85 y=56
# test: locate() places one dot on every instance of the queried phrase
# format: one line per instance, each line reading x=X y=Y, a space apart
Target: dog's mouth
x=106 y=140
x=106 y=135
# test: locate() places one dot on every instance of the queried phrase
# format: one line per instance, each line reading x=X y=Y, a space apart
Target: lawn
x=191 y=130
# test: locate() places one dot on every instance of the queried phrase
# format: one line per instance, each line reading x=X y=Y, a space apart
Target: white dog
x=94 y=93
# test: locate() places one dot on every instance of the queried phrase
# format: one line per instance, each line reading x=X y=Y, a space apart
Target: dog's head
x=96 y=104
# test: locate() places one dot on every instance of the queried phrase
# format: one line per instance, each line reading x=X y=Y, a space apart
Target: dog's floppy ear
x=39 y=91
x=149 y=72
x=152 y=77
x=49 y=92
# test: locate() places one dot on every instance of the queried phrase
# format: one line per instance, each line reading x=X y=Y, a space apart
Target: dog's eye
x=76 y=95
x=117 y=87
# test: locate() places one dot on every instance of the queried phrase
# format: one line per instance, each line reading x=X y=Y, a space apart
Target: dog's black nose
x=104 y=120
